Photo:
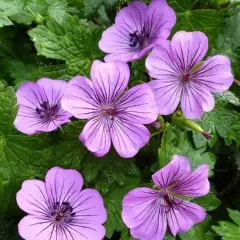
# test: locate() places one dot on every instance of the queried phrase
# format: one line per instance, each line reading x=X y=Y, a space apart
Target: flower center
x=62 y=212
x=46 y=111
x=108 y=111
x=139 y=39
x=185 y=77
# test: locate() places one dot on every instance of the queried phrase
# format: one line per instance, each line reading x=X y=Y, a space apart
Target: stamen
x=139 y=39
x=47 y=112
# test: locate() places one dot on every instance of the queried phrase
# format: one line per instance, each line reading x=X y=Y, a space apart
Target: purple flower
x=180 y=77
x=40 y=106
x=138 y=28
x=147 y=211
x=114 y=115
x=59 y=209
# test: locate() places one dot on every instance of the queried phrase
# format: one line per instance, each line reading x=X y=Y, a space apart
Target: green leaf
x=113 y=203
x=176 y=141
x=227 y=230
x=209 y=202
x=73 y=41
x=180 y=5
x=199 y=231
x=225 y=118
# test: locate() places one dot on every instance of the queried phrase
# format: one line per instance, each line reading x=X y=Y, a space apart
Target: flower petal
x=89 y=206
x=128 y=138
x=196 y=100
x=84 y=231
x=138 y=105
x=33 y=199
x=182 y=218
x=188 y=49
x=63 y=185
x=109 y=79
x=80 y=98
x=177 y=169
x=194 y=185
x=131 y=18
x=143 y=214
x=214 y=74
x=95 y=136
x=35 y=228
x=116 y=42
x=160 y=19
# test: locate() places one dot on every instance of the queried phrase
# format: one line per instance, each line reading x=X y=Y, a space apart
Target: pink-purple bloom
x=138 y=28
x=147 y=212
x=40 y=106
x=59 y=209
x=114 y=115
x=181 y=77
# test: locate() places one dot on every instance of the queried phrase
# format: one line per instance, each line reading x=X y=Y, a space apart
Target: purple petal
x=160 y=19
x=195 y=100
x=128 y=138
x=188 y=49
x=35 y=228
x=131 y=18
x=95 y=136
x=194 y=185
x=63 y=185
x=168 y=86
x=138 y=105
x=143 y=214
x=184 y=216
x=116 y=43
x=89 y=207
x=80 y=98
x=83 y=231
x=33 y=199
x=215 y=74
x=177 y=169
x=109 y=79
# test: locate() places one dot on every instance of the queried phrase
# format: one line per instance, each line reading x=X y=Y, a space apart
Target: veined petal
x=188 y=49
x=214 y=74
x=194 y=185
x=109 y=79
x=160 y=19
x=196 y=100
x=143 y=214
x=138 y=105
x=63 y=185
x=33 y=199
x=128 y=138
x=96 y=137
x=176 y=170
x=131 y=18
x=80 y=98
x=89 y=207
x=182 y=217
x=36 y=228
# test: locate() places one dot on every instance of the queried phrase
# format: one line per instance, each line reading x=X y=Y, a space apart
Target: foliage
x=59 y=39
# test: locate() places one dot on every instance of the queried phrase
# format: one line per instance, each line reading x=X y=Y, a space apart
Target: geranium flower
x=138 y=28
x=114 y=115
x=40 y=106
x=180 y=77
x=59 y=209
x=147 y=211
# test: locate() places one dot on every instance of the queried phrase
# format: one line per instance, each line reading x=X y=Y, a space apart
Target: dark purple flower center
x=62 y=212
x=185 y=77
x=139 y=39
x=108 y=111
x=45 y=111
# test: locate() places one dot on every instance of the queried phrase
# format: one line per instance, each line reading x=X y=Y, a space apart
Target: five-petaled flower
x=40 y=106
x=138 y=29
x=181 y=77
x=147 y=211
x=114 y=115
x=59 y=209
